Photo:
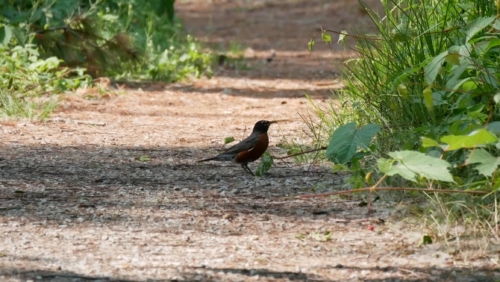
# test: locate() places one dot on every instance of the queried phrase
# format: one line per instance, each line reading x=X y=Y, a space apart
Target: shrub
x=29 y=84
x=430 y=79
x=134 y=39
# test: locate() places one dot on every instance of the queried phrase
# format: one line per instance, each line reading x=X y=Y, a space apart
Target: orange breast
x=255 y=153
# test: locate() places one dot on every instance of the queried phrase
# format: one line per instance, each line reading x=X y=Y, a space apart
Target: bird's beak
x=281 y=120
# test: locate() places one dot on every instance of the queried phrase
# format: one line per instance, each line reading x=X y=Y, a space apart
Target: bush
x=29 y=84
x=429 y=78
x=46 y=46
x=133 y=39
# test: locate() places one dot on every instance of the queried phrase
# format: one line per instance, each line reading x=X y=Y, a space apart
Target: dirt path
x=110 y=190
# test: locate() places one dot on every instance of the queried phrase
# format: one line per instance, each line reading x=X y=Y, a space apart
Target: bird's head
x=263 y=125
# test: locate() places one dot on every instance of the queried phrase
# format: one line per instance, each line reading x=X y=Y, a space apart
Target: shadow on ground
x=34 y=179
x=237 y=274
x=107 y=187
x=247 y=87
x=263 y=25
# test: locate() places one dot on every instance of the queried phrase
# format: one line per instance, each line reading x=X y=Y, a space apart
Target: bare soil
x=109 y=189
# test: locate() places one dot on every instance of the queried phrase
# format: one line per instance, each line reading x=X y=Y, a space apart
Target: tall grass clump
x=426 y=84
x=406 y=77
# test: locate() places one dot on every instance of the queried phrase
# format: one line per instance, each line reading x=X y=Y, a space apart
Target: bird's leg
x=246 y=168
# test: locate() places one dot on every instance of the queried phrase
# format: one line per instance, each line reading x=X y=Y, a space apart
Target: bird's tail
x=221 y=157
x=206 y=160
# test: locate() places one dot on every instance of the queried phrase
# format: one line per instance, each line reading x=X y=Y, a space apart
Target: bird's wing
x=244 y=145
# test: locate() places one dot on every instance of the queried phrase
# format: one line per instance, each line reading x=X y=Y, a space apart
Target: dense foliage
x=60 y=41
x=425 y=90
x=136 y=39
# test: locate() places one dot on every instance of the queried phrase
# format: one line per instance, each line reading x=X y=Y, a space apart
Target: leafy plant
x=346 y=140
x=109 y=38
x=429 y=77
x=29 y=84
x=266 y=162
x=46 y=46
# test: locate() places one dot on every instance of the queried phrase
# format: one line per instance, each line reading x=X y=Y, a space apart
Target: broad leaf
x=409 y=164
x=346 y=140
x=476 y=138
x=390 y=167
x=5 y=35
x=453 y=82
x=476 y=26
x=428 y=142
x=494 y=127
x=431 y=70
x=487 y=163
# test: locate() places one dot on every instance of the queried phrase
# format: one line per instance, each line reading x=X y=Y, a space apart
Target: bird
x=248 y=150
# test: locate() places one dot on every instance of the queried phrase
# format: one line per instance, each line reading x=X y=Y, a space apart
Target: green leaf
x=5 y=35
x=428 y=142
x=426 y=240
x=484 y=46
x=487 y=163
x=21 y=37
x=431 y=70
x=475 y=138
x=453 y=58
x=468 y=85
x=266 y=162
x=310 y=44
x=144 y=158
x=477 y=25
x=346 y=140
x=406 y=73
x=228 y=140
x=300 y=236
x=496 y=98
x=109 y=17
x=321 y=236
x=494 y=127
x=455 y=81
x=489 y=77
x=403 y=90
x=428 y=98
x=496 y=185
x=342 y=36
x=326 y=37
x=409 y=164
x=387 y=166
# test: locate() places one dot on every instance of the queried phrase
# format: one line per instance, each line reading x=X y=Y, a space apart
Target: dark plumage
x=248 y=150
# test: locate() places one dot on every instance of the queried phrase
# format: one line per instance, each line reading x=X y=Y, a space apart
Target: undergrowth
x=420 y=108
x=29 y=85
x=132 y=40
